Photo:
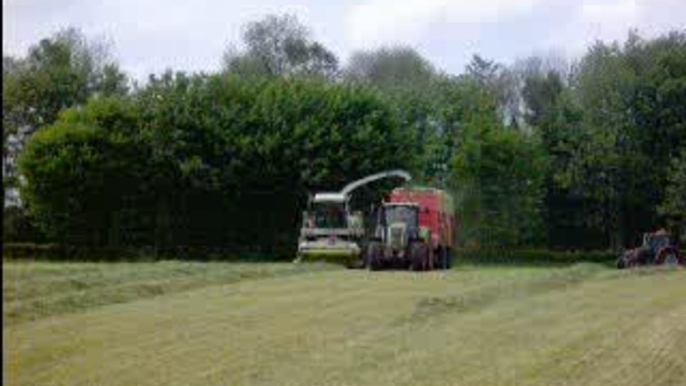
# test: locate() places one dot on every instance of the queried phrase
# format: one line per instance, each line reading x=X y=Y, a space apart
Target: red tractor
x=415 y=229
x=657 y=249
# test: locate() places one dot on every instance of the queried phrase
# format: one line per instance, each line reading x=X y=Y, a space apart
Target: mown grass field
x=279 y=324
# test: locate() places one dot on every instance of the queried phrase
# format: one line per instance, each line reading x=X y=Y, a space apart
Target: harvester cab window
x=330 y=216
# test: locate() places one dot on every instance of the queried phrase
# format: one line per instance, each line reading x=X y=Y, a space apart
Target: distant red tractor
x=415 y=229
x=657 y=249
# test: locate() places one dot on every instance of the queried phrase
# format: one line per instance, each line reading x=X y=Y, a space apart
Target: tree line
x=541 y=152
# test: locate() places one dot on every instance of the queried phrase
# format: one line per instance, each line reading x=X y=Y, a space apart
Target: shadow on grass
x=531 y=258
x=502 y=263
x=66 y=253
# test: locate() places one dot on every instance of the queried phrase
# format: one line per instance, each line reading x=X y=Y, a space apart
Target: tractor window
x=659 y=242
x=329 y=216
x=403 y=214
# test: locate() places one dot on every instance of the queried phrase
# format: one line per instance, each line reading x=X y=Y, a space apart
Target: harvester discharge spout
x=363 y=181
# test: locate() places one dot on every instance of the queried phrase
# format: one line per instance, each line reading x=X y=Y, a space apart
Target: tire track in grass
x=484 y=296
x=381 y=339
x=501 y=331
x=199 y=322
x=607 y=350
x=653 y=341
x=29 y=295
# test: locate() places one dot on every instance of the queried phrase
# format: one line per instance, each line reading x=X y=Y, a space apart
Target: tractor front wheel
x=373 y=256
x=419 y=256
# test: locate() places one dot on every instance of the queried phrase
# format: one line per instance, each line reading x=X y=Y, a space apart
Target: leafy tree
x=280 y=46
x=77 y=174
x=195 y=146
x=59 y=72
x=498 y=174
x=675 y=196
x=484 y=71
x=582 y=156
x=541 y=96
x=630 y=131
x=499 y=81
x=391 y=70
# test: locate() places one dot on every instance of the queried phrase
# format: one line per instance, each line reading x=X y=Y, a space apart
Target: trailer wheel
x=447 y=258
x=442 y=260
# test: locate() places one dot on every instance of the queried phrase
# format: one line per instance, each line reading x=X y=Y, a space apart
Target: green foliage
x=19 y=226
x=632 y=104
x=675 y=195
x=529 y=256
x=58 y=72
x=541 y=96
x=205 y=160
x=280 y=46
x=499 y=175
x=391 y=70
x=535 y=153
x=483 y=71
x=76 y=175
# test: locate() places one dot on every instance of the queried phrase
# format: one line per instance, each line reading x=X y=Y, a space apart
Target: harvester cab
x=330 y=232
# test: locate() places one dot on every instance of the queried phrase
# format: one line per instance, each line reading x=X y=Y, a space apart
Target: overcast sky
x=190 y=35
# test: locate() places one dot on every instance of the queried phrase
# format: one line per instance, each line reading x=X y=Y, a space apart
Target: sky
x=149 y=36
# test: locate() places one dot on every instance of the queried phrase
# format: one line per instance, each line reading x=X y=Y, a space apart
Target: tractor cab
x=399 y=241
x=657 y=249
x=398 y=224
x=654 y=242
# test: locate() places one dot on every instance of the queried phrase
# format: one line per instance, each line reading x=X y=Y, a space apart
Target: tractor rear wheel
x=669 y=257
